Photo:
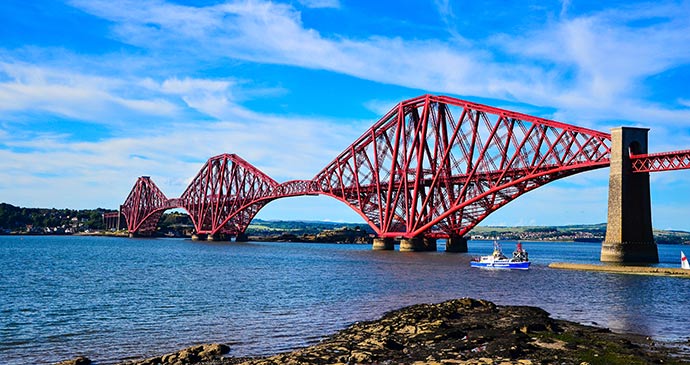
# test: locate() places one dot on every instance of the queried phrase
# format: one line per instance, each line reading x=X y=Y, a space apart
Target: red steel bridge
x=432 y=167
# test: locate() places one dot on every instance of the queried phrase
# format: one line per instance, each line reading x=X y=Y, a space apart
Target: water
x=112 y=299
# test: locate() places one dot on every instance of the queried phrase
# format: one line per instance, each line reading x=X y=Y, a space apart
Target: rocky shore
x=624 y=269
x=461 y=331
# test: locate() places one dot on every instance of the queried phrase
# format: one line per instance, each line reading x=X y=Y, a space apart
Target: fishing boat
x=497 y=260
x=684 y=264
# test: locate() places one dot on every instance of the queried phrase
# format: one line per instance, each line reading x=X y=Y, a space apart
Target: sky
x=95 y=93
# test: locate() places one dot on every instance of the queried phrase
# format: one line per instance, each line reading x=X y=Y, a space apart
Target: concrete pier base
x=629 y=252
x=383 y=244
x=242 y=237
x=411 y=244
x=429 y=244
x=219 y=237
x=199 y=237
x=417 y=244
x=629 y=237
x=456 y=244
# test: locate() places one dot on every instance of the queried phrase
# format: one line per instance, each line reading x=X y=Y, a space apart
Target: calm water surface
x=112 y=299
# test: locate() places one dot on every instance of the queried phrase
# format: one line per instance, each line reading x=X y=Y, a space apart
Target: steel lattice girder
x=432 y=165
x=226 y=194
x=664 y=161
x=144 y=206
x=441 y=165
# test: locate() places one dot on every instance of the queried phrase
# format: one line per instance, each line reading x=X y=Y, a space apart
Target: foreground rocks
x=468 y=331
x=79 y=360
x=192 y=355
x=461 y=331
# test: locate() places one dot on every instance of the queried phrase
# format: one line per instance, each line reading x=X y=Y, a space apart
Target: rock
x=461 y=331
x=199 y=354
x=79 y=360
x=360 y=357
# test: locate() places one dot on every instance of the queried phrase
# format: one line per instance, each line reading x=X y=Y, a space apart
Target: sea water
x=113 y=299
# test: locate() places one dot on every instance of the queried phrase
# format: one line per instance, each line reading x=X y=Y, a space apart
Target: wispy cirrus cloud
x=591 y=61
x=182 y=65
x=320 y=3
x=104 y=171
x=74 y=95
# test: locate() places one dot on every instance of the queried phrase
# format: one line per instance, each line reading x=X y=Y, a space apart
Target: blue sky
x=95 y=93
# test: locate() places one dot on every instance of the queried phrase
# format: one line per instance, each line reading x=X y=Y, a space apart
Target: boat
x=497 y=260
x=684 y=264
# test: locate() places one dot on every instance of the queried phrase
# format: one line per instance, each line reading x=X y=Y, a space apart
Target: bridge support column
x=241 y=237
x=429 y=244
x=417 y=244
x=413 y=244
x=629 y=236
x=218 y=237
x=383 y=244
x=456 y=244
x=199 y=237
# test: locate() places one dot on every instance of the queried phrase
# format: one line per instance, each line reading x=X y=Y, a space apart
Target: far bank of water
x=113 y=298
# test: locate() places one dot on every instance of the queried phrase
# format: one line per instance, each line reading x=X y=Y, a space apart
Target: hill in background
x=18 y=220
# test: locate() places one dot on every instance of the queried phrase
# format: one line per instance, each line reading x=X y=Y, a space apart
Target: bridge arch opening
x=309 y=208
x=171 y=222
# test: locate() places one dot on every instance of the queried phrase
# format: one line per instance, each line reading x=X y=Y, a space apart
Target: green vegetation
x=55 y=221
x=259 y=227
x=580 y=232
x=603 y=351
x=66 y=221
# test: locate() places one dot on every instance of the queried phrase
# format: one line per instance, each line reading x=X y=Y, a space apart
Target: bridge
x=432 y=167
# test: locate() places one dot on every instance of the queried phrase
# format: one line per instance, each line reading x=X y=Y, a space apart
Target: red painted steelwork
x=144 y=206
x=664 y=161
x=433 y=166
x=437 y=166
x=226 y=195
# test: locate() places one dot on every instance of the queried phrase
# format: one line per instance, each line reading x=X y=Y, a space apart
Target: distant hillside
x=260 y=227
x=49 y=221
x=579 y=232
x=66 y=221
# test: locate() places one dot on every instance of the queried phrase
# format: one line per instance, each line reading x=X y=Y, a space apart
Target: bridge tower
x=629 y=236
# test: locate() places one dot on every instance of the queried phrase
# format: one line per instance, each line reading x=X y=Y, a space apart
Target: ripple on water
x=112 y=299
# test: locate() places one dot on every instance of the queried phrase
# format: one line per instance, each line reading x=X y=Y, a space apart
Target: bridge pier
x=383 y=244
x=141 y=234
x=198 y=237
x=241 y=237
x=456 y=244
x=430 y=244
x=417 y=244
x=629 y=237
x=219 y=237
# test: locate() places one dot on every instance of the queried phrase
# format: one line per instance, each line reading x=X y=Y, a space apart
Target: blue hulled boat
x=497 y=260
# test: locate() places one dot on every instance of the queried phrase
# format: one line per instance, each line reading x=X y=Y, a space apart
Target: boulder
x=79 y=360
x=192 y=355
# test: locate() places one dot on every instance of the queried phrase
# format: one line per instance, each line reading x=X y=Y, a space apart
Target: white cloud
x=590 y=68
x=593 y=63
x=320 y=3
x=73 y=95
x=103 y=172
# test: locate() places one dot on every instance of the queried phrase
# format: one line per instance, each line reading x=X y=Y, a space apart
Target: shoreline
x=459 y=331
x=623 y=269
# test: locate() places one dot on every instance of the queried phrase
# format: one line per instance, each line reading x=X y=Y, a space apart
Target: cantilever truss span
x=437 y=166
x=433 y=166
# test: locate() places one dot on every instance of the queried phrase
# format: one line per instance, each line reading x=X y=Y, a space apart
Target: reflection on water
x=111 y=298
